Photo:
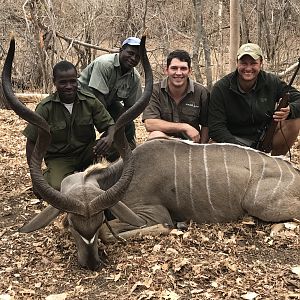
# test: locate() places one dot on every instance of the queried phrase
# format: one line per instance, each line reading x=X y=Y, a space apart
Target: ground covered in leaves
x=241 y=260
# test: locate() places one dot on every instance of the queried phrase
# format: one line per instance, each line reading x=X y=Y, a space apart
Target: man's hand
x=282 y=114
x=104 y=143
x=102 y=146
x=192 y=133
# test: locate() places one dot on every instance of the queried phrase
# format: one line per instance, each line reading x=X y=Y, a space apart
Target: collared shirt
x=71 y=133
x=104 y=75
x=192 y=109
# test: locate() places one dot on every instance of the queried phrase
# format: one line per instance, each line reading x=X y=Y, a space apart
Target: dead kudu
x=83 y=200
x=177 y=181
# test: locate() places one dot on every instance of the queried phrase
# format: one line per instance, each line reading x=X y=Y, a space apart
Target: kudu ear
x=44 y=218
x=125 y=214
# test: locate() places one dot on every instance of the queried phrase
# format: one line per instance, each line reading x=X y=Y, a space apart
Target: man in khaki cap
x=243 y=101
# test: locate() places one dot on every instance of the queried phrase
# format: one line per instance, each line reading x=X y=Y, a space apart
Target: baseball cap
x=132 y=41
x=250 y=49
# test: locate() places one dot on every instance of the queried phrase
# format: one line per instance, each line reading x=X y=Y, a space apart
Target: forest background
x=246 y=259
x=48 y=31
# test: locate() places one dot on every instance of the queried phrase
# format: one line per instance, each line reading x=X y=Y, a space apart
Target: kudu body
x=176 y=181
x=179 y=181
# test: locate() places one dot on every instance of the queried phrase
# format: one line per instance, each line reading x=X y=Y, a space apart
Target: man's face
x=248 y=68
x=178 y=72
x=129 y=57
x=66 y=85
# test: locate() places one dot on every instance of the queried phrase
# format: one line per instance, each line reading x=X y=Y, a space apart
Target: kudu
x=178 y=181
x=83 y=200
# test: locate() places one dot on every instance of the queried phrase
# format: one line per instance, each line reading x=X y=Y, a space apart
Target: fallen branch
x=31 y=97
x=73 y=41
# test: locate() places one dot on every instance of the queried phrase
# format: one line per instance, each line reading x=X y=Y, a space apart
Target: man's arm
x=204 y=136
x=172 y=127
x=99 y=96
x=217 y=121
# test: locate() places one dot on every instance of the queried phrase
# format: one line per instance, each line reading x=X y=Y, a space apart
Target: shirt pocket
x=59 y=132
x=84 y=130
x=166 y=115
x=190 y=114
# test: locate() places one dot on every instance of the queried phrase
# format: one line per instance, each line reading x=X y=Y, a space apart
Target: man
x=71 y=114
x=243 y=101
x=113 y=79
x=178 y=105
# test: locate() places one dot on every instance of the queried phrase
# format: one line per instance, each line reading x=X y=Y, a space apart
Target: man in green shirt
x=72 y=115
x=113 y=79
x=243 y=101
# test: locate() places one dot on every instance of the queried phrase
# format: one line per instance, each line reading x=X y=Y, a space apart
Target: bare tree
x=46 y=33
x=234 y=33
x=244 y=24
x=201 y=36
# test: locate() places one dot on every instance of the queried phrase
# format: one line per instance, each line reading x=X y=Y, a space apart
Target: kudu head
x=82 y=200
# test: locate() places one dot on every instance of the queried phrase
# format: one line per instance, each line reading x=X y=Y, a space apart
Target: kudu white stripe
x=191 y=179
x=261 y=177
x=279 y=180
x=175 y=177
x=207 y=178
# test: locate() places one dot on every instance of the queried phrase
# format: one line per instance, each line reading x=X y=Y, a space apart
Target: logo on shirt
x=192 y=105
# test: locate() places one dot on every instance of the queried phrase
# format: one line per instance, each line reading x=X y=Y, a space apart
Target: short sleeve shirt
x=71 y=133
x=192 y=109
x=104 y=75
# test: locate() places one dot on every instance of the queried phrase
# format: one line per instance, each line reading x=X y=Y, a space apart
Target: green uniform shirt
x=192 y=109
x=236 y=113
x=71 y=133
x=104 y=75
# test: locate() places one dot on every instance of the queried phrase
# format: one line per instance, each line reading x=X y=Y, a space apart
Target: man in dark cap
x=243 y=101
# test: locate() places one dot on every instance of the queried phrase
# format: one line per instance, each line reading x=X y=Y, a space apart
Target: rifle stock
x=265 y=141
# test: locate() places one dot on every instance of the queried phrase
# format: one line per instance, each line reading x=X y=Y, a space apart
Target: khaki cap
x=250 y=49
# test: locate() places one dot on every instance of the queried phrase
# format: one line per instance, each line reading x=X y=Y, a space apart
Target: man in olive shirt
x=243 y=102
x=71 y=114
x=178 y=106
x=114 y=80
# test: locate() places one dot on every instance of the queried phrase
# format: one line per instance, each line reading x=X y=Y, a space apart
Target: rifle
x=265 y=140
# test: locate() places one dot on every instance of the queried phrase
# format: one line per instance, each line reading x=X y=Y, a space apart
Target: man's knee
x=53 y=180
x=285 y=136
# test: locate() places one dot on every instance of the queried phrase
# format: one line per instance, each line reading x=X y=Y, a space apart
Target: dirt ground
x=240 y=260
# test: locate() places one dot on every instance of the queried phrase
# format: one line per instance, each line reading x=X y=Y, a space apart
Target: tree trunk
x=196 y=44
x=259 y=5
x=234 y=33
x=203 y=37
x=244 y=25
